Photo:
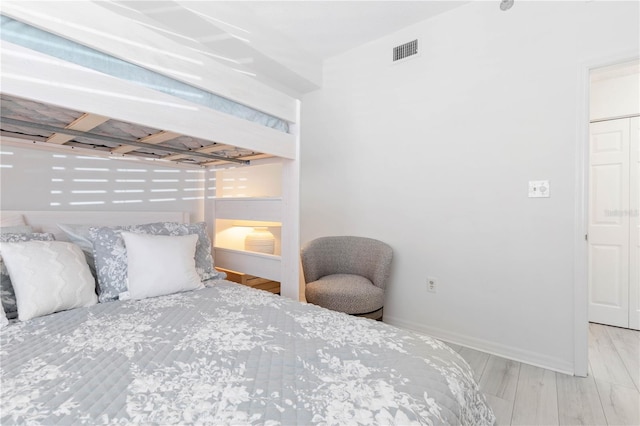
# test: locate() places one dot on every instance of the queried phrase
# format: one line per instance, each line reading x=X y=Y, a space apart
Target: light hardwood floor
x=521 y=394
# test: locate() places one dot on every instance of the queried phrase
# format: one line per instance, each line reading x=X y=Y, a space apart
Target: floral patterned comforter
x=228 y=354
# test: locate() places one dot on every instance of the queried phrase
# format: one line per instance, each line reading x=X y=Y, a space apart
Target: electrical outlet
x=432 y=284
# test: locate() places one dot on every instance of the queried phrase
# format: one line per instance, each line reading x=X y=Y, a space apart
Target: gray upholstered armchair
x=347 y=274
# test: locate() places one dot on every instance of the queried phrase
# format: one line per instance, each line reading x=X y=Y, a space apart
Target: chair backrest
x=347 y=255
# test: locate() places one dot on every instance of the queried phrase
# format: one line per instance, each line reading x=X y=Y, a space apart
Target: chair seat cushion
x=352 y=294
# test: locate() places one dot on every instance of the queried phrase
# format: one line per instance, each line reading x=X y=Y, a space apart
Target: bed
x=219 y=353
x=207 y=351
x=229 y=354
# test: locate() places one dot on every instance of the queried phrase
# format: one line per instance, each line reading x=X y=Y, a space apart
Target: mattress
x=229 y=354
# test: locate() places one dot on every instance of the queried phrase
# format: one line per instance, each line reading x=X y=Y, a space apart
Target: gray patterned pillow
x=7 y=295
x=111 y=254
x=17 y=229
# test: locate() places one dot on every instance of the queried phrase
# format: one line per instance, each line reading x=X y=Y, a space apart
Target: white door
x=609 y=232
x=634 y=223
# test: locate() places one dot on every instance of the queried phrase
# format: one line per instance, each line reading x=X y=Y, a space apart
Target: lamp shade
x=260 y=240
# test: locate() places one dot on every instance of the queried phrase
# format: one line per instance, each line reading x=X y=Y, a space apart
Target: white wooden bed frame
x=47 y=221
x=31 y=75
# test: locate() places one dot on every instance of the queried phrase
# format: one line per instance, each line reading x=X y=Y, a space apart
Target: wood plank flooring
x=521 y=394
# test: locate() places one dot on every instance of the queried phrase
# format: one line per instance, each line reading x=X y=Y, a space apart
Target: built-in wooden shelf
x=251 y=280
x=250 y=262
x=250 y=208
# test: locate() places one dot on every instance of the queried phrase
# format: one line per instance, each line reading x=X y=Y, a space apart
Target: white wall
x=433 y=156
x=34 y=179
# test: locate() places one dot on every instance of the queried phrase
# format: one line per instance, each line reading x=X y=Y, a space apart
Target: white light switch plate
x=539 y=189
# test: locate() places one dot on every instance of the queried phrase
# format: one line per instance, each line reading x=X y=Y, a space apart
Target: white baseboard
x=509 y=352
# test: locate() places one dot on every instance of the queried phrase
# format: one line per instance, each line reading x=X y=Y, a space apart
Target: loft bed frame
x=51 y=103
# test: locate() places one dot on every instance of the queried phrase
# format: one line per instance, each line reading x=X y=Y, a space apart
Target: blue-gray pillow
x=7 y=294
x=110 y=253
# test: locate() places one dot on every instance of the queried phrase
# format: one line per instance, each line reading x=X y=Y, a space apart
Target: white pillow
x=48 y=276
x=160 y=264
x=8 y=218
x=3 y=318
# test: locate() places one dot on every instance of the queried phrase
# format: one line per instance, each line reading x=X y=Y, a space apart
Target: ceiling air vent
x=405 y=50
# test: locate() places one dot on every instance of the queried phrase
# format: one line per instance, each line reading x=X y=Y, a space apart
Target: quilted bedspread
x=229 y=354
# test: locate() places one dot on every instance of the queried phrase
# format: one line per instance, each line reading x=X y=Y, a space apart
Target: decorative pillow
x=11 y=219
x=159 y=264
x=3 y=318
x=17 y=229
x=7 y=295
x=79 y=235
x=111 y=255
x=48 y=276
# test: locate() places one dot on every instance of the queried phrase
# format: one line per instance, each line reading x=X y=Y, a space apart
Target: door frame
x=581 y=207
